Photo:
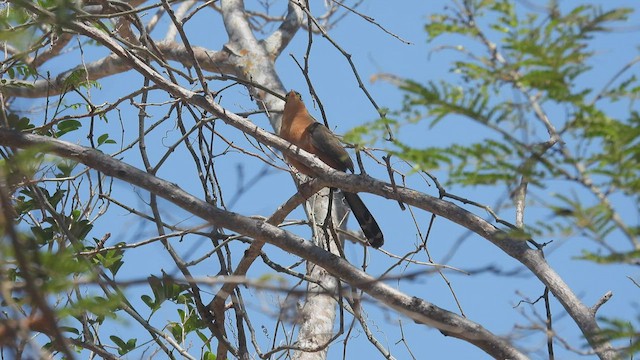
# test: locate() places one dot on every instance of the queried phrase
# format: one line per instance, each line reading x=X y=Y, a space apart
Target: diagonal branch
x=208 y=60
x=415 y=308
x=236 y=24
x=279 y=39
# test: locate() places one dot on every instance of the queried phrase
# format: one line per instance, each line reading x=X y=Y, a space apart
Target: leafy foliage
x=513 y=78
x=526 y=77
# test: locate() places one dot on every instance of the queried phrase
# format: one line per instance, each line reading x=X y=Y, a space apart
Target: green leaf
x=176 y=330
x=104 y=139
x=123 y=348
x=66 y=168
x=69 y=329
x=19 y=123
x=111 y=259
x=150 y=303
x=42 y=235
x=67 y=126
x=81 y=228
x=204 y=339
x=621 y=329
x=630 y=257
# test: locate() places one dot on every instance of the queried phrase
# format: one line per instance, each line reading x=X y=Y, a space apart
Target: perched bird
x=301 y=129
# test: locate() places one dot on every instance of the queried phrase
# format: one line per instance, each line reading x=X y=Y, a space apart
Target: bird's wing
x=329 y=148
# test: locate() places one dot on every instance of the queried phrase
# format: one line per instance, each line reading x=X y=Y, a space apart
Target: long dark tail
x=367 y=222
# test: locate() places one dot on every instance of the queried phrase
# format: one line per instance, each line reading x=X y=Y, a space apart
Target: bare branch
x=412 y=307
x=279 y=39
x=603 y=300
x=214 y=61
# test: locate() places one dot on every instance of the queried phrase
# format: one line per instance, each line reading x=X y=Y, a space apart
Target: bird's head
x=293 y=96
x=293 y=101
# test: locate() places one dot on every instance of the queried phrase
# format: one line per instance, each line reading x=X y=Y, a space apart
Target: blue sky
x=485 y=298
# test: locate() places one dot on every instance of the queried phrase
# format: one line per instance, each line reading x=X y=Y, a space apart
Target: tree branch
x=279 y=39
x=213 y=61
x=415 y=308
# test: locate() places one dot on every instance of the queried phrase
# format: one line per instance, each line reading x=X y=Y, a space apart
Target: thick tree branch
x=417 y=309
x=279 y=39
x=237 y=61
x=515 y=248
x=213 y=61
x=236 y=24
x=250 y=59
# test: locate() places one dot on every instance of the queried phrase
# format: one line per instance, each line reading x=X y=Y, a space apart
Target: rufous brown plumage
x=301 y=129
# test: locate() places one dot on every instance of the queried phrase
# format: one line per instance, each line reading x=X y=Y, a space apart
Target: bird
x=301 y=129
